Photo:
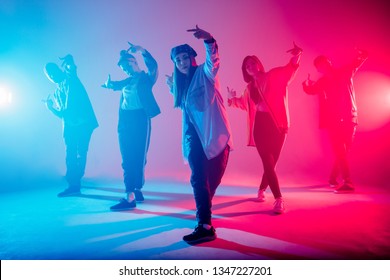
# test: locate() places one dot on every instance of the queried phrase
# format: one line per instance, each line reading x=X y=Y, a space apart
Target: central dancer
x=206 y=135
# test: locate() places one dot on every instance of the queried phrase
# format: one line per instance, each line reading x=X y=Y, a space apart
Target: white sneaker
x=279 y=206
x=261 y=195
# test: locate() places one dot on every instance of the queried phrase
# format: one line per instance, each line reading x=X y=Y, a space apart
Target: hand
x=107 y=84
x=134 y=48
x=49 y=102
x=308 y=82
x=200 y=33
x=169 y=80
x=296 y=50
x=231 y=93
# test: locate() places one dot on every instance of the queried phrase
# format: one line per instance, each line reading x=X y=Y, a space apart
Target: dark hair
x=183 y=49
x=247 y=77
x=124 y=56
x=320 y=59
x=181 y=83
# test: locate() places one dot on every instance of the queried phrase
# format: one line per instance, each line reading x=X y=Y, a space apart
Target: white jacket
x=205 y=109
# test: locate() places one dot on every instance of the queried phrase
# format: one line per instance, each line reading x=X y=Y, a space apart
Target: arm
x=237 y=102
x=114 y=85
x=52 y=108
x=296 y=53
x=211 y=65
x=310 y=87
x=149 y=60
x=361 y=57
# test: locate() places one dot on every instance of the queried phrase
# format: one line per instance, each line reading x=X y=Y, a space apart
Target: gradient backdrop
x=33 y=33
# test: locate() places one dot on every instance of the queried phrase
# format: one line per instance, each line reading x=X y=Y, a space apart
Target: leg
x=72 y=177
x=84 y=138
x=199 y=179
x=133 y=144
x=216 y=168
x=269 y=142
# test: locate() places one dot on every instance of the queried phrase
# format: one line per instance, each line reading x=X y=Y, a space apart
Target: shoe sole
x=342 y=192
x=202 y=240
x=70 y=194
x=122 y=209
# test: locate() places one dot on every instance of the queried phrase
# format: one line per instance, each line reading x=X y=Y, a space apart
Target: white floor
x=318 y=224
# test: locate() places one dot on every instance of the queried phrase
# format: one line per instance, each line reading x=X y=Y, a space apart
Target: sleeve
x=211 y=65
x=240 y=102
x=312 y=89
x=118 y=85
x=152 y=66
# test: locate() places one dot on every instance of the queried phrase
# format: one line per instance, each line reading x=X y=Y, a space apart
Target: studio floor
x=318 y=224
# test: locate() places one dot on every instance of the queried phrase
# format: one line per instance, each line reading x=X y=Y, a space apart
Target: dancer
x=137 y=107
x=206 y=136
x=71 y=103
x=265 y=100
x=338 y=112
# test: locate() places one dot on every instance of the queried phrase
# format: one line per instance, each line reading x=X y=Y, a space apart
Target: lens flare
x=5 y=97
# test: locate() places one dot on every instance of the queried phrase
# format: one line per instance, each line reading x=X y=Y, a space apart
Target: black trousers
x=134 y=136
x=206 y=175
x=341 y=136
x=269 y=143
x=77 y=143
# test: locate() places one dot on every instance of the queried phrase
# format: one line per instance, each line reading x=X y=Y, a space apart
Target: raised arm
x=361 y=57
x=149 y=60
x=296 y=52
x=211 y=65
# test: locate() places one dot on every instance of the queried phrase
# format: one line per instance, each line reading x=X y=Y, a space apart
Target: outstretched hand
x=296 y=50
x=169 y=80
x=107 y=84
x=231 y=93
x=200 y=33
x=134 y=48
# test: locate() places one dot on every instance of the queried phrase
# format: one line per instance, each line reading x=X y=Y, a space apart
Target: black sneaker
x=123 y=205
x=69 y=192
x=139 y=197
x=199 y=235
x=345 y=188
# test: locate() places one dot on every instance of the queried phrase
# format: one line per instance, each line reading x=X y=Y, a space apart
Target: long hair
x=253 y=90
x=247 y=77
x=181 y=83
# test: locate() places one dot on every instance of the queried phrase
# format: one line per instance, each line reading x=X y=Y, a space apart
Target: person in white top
x=206 y=135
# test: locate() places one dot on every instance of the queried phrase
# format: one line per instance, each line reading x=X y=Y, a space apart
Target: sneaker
x=200 y=235
x=279 y=206
x=69 y=192
x=261 y=195
x=333 y=183
x=123 y=205
x=139 y=197
x=345 y=188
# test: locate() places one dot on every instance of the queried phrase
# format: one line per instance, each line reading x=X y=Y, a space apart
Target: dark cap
x=183 y=49
x=124 y=56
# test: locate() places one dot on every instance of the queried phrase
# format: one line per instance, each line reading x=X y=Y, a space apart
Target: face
x=252 y=67
x=183 y=63
x=129 y=66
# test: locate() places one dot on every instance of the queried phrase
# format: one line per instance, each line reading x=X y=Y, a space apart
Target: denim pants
x=341 y=136
x=76 y=142
x=206 y=175
x=134 y=135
